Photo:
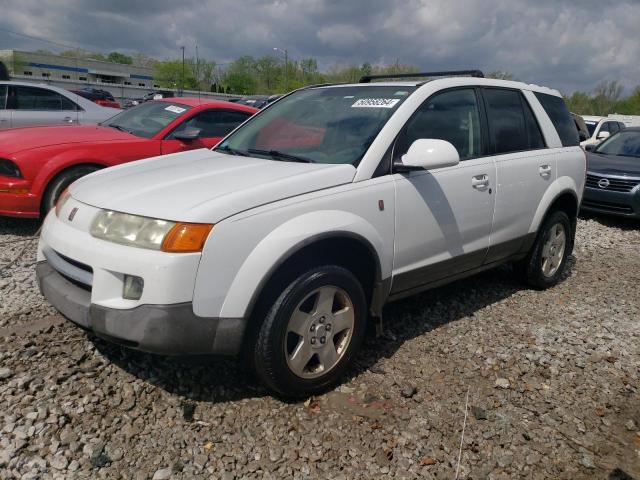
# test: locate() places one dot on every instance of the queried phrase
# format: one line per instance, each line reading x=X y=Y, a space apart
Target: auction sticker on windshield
x=175 y=109
x=375 y=103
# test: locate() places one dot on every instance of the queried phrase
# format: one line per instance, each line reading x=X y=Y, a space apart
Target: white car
x=24 y=104
x=600 y=128
x=287 y=238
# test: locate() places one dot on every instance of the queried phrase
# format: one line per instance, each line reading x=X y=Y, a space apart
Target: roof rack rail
x=450 y=73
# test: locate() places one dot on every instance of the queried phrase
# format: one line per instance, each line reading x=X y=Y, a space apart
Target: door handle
x=544 y=170
x=68 y=119
x=480 y=181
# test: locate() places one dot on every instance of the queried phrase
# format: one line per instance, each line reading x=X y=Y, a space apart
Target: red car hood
x=19 y=139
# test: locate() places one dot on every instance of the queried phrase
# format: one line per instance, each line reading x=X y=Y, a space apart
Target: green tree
x=501 y=75
x=117 y=57
x=168 y=74
x=269 y=70
x=15 y=63
x=580 y=103
x=605 y=97
x=241 y=76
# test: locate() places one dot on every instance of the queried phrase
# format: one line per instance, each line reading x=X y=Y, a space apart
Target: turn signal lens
x=62 y=199
x=186 y=238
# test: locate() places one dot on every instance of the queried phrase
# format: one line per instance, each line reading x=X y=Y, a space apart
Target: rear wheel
x=311 y=332
x=58 y=185
x=545 y=264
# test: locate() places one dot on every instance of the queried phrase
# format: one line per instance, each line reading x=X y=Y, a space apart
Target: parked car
x=101 y=97
x=25 y=104
x=258 y=101
x=613 y=175
x=38 y=163
x=600 y=128
x=280 y=243
x=157 y=95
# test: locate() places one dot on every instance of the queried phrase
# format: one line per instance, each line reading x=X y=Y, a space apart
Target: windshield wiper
x=119 y=127
x=231 y=151
x=277 y=155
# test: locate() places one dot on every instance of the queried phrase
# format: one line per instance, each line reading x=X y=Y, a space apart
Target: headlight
x=9 y=169
x=151 y=233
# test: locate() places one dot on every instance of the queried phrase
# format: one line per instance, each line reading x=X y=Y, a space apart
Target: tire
x=546 y=262
x=58 y=185
x=292 y=353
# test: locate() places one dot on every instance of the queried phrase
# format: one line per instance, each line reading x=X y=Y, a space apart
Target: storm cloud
x=569 y=45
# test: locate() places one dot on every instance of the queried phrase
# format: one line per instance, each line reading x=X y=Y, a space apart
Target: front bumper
x=621 y=204
x=165 y=329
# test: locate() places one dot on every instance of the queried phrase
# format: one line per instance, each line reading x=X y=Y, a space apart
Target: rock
x=162 y=474
x=409 y=391
x=479 y=413
x=5 y=373
x=630 y=425
x=502 y=383
x=587 y=462
x=59 y=462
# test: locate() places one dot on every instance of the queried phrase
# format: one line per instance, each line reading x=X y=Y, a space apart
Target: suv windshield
x=148 y=119
x=319 y=125
x=625 y=144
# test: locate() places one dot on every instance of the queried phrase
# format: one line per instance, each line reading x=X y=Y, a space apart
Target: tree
x=579 y=103
x=269 y=71
x=240 y=77
x=14 y=64
x=501 y=75
x=606 y=96
x=117 y=57
x=168 y=74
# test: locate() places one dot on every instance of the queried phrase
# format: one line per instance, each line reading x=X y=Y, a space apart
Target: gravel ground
x=549 y=382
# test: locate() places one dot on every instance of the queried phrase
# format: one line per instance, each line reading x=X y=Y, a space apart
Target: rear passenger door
x=525 y=168
x=443 y=215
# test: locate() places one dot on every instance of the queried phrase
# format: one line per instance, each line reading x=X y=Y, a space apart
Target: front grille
x=615 y=184
x=75 y=272
x=608 y=206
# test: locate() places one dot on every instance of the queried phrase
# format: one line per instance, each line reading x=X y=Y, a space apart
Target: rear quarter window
x=560 y=117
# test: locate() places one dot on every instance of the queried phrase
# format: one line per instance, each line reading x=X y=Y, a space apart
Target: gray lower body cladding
x=163 y=329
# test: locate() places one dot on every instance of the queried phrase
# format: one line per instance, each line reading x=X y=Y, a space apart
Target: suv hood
x=203 y=186
x=613 y=164
x=27 y=138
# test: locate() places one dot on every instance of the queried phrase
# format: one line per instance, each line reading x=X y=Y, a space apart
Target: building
x=123 y=81
x=50 y=67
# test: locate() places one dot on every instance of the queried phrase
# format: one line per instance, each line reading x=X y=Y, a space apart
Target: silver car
x=24 y=104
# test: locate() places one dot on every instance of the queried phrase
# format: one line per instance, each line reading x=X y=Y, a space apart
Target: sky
x=565 y=44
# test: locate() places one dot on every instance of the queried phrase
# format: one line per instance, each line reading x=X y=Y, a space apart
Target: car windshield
x=591 y=126
x=625 y=144
x=148 y=119
x=319 y=125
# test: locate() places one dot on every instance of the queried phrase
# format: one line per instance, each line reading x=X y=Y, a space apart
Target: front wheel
x=311 y=332
x=59 y=184
x=546 y=263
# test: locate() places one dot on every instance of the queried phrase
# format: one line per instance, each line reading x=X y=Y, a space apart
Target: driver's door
x=213 y=124
x=444 y=215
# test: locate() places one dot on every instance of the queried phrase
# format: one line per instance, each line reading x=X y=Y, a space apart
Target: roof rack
x=450 y=73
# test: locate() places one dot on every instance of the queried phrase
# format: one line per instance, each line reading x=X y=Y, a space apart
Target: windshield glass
x=625 y=143
x=591 y=126
x=319 y=125
x=148 y=119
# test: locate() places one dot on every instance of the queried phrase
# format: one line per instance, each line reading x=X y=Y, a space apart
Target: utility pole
x=182 y=87
x=286 y=67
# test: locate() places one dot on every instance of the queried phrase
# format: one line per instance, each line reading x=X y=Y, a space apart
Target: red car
x=38 y=163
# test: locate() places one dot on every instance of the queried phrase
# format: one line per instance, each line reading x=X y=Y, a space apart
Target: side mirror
x=591 y=147
x=188 y=134
x=602 y=135
x=427 y=154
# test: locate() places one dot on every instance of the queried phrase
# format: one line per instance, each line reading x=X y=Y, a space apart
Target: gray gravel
x=552 y=381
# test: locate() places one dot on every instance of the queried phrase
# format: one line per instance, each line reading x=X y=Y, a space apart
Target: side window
x=512 y=125
x=621 y=125
x=68 y=104
x=604 y=127
x=613 y=127
x=30 y=98
x=213 y=123
x=3 y=96
x=452 y=116
x=560 y=117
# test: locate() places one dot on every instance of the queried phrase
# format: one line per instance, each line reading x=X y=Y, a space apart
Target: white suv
x=600 y=128
x=287 y=238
